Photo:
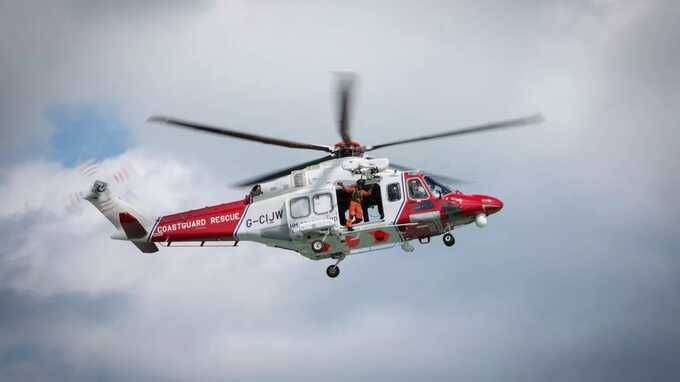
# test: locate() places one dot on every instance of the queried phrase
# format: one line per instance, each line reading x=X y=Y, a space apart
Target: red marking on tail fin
x=132 y=227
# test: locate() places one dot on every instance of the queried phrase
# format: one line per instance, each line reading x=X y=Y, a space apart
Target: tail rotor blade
x=73 y=202
x=89 y=168
x=124 y=174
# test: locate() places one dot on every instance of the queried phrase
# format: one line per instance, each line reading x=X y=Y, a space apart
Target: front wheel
x=448 y=239
x=333 y=271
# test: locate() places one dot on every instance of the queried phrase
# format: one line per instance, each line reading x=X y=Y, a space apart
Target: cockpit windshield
x=437 y=187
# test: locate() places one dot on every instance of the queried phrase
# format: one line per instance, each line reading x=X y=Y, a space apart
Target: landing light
x=481 y=220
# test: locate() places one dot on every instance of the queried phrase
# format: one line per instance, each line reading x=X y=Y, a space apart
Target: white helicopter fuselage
x=307 y=211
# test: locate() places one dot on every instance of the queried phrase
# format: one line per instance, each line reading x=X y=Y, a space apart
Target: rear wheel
x=333 y=271
x=448 y=239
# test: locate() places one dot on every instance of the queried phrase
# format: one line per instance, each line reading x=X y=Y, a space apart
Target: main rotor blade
x=280 y=173
x=468 y=130
x=345 y=86
x=237 y=134
x=445 y=179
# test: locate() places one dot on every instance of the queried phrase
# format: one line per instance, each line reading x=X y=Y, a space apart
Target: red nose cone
x=491 y=205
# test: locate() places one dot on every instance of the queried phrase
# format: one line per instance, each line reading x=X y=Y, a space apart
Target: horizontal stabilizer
x=146 y=247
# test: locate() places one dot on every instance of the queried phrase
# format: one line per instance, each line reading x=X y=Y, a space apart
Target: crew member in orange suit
x=357 y=195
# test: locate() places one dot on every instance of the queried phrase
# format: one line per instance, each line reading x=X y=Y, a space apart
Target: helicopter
x=344 y=203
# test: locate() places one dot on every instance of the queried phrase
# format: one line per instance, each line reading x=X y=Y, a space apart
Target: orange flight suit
x=355 y=209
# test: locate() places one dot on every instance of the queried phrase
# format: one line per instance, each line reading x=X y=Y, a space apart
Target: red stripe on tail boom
x=204 y=224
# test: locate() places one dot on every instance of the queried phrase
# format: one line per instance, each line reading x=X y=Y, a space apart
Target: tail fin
x=130 y=224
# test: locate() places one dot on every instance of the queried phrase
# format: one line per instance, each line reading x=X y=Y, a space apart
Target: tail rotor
x=90 y=170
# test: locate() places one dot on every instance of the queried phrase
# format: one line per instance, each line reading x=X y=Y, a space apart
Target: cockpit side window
x=436 y=187
x=416 y=189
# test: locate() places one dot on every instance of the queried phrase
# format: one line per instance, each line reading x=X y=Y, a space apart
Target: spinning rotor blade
x=345 y=86
x=280 y=173
x=124 y=174
x=469 y=130
x=237 y=134
x=73 y=202
x=445 y=179
x=89 y=168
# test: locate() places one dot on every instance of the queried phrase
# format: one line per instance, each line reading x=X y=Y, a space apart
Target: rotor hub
x=354 y=149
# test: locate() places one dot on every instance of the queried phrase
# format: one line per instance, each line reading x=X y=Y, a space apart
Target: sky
x=575 y=279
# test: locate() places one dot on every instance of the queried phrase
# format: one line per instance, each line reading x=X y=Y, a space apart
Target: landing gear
x=448 y=239
x=333 y=271
x=317 y=246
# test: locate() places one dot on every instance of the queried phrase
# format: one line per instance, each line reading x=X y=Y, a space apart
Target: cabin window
x=323 y=203
x=299 y=207
x=393 y=192
x=416 y=189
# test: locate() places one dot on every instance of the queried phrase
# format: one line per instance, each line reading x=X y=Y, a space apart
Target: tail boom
x=214 y=223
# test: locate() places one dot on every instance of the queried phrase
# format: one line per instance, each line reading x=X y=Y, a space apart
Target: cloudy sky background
x=576 y=279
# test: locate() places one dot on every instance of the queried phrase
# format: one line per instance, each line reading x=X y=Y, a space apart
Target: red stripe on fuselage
x=204 y=224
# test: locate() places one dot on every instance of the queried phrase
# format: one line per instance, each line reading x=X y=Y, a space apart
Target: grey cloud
x=29 y=311
x=35 y=332
x=97 y=8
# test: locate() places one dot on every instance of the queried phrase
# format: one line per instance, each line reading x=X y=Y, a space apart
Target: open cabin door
x=314 y=211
